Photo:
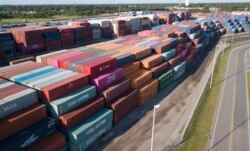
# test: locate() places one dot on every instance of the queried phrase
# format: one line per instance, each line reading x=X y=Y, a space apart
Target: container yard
x=76 y=96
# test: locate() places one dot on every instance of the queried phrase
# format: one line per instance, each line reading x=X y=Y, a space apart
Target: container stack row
x=7 y=46
x=74 y=97
x=37 y=39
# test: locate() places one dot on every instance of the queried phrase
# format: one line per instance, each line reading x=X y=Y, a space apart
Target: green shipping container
x=167 y=55
x=165 y=79
x=72 y=100
x=86 y=133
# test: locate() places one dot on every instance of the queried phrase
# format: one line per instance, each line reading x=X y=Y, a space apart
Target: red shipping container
x=21 y=120
x=160 y=69
x=66 y=31
x=47 y=29
x=19 y=70
x=10 y=90
x=74 y=117
x=66 y=63
x=68 y=42
x=59 y=89
x=124 y=105
x=97 y=66
x=114 y=91
x=54 y=142
x=53 y=45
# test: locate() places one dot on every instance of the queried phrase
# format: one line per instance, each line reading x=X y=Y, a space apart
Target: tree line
x=48 y=11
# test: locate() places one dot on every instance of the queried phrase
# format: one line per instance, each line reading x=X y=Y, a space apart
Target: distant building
x=187 y=2
x=240 y=12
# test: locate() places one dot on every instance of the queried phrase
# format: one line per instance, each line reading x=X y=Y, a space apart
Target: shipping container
x=179 y=70
x=59 y=89
x=115 y=90
x=169 y=54
x=54 y=142
x=21 y=120
x=29 y=136
x=105 y=80
x=124 y=105
x=79 y=114
x=151 y=61
x=174 y=60
x=15 y=97
x=96 y=67
x=139 y=78
x=160 y=69
x=90 y=130
x=72 y=100
x=131 y=68
x=166 y=79
x=147 y=91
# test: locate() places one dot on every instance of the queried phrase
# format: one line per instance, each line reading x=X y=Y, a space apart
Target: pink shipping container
x=105 y=80
x=55 y=61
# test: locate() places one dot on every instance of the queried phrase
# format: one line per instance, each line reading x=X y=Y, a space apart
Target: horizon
x=114 y=2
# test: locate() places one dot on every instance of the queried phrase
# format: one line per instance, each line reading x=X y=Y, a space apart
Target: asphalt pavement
x=231 y=130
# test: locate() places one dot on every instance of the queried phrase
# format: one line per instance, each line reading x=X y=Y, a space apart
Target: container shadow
x=140 y=112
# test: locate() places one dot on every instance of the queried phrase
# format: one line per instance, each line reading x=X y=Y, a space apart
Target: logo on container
x=77 y=100
x=104 y=67
x=29 y=141
x=10 y=107
x=100 y=124
x=70 y=85
x=111 y=78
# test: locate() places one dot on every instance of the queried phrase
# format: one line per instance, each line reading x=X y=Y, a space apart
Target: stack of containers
x=80 y=35
x=67 y=35
x=23 y=121
x=153 y=18
x=110 y=84
x=7 y=46
x=141 y=80
x=135 y=23
x=96 y=30
x=168 y=17
x=145 y=23
x=128 y=28
x=28 y=40
x=119 y=27
x=52 y=38
x=106 y=27
x=86 y=28
x=69 y=98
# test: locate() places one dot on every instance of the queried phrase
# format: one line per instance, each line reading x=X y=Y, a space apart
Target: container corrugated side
x=72 y=100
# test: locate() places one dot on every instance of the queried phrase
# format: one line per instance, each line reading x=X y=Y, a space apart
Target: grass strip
x=199 y=129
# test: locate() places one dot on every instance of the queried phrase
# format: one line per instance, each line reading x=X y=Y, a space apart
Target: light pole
x=153 y=126
x=211 y=81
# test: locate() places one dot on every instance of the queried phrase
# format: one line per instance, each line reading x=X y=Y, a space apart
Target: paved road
x=231 y=130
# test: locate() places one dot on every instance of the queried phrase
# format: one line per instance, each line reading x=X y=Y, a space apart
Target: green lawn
x=17 y=20
x=199 y=130
x=58 y=17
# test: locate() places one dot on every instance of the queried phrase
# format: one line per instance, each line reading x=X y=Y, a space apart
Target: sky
x=36 y=2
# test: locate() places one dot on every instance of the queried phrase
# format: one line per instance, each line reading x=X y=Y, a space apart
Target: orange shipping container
x=147 y=91
x=140 y=52
x=151 y=61
x=174 y=60
x=131 y=68
x=140 y=78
